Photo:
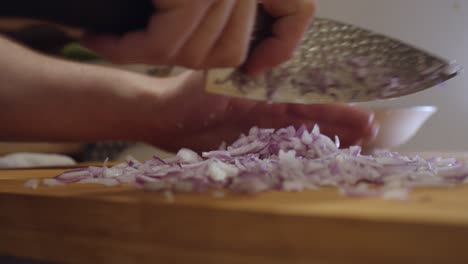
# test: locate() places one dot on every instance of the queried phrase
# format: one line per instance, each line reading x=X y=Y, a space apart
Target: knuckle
x=309 y=7
x=161 y=55
x=194 y=65
x=286 y=56
x=232 y=57
x=192 y=59
x=116 y=58
x=279 y=58
x=161 y=51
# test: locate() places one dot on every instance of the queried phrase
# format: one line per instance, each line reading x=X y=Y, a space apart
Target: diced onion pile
x=284 y=160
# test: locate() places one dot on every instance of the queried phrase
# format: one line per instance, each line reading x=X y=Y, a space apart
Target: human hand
x=205 y=34
x=65 y=101
x=190 y=117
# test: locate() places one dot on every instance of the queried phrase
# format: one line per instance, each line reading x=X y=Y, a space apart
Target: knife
x=339 y=62
x=336 y=61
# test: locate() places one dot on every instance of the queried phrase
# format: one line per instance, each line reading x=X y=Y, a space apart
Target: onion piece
x=286 y=160
x=32 y=183
x=52 y=182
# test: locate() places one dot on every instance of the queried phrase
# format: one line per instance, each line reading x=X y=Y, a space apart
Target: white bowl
x=398 y=125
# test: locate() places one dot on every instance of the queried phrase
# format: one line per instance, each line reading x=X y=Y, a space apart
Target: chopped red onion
x=53 y=182
x=188 y=156
x=33 y=184
x=287 y=160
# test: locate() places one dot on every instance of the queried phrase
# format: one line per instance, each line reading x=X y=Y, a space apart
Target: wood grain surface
x=94 y=224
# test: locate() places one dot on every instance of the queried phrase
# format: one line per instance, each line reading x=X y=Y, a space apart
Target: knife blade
x=339 y=62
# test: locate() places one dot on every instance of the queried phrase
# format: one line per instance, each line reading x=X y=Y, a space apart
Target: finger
x=323 y=113
x=271 y=116
x=173 y=25
x=167 y=32
x=334 y=113
x=225 y=131
x=231 y=48
x=293 y=19
x=349 y=135
x=351 y=123
x=202 y=41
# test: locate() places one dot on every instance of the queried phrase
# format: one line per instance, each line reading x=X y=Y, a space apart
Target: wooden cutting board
x=94 y=224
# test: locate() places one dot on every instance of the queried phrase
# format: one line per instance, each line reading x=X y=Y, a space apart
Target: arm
x=43 y=98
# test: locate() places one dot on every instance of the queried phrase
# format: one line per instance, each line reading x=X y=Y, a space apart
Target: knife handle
x=104 y=16
x=98 y=16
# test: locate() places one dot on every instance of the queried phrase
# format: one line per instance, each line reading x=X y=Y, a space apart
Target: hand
x=189 y=117
x=204 y=34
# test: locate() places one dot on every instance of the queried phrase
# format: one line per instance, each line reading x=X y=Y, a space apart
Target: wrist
x=55 y=100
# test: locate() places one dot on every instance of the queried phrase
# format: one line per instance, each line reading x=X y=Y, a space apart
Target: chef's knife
x=336 y=62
